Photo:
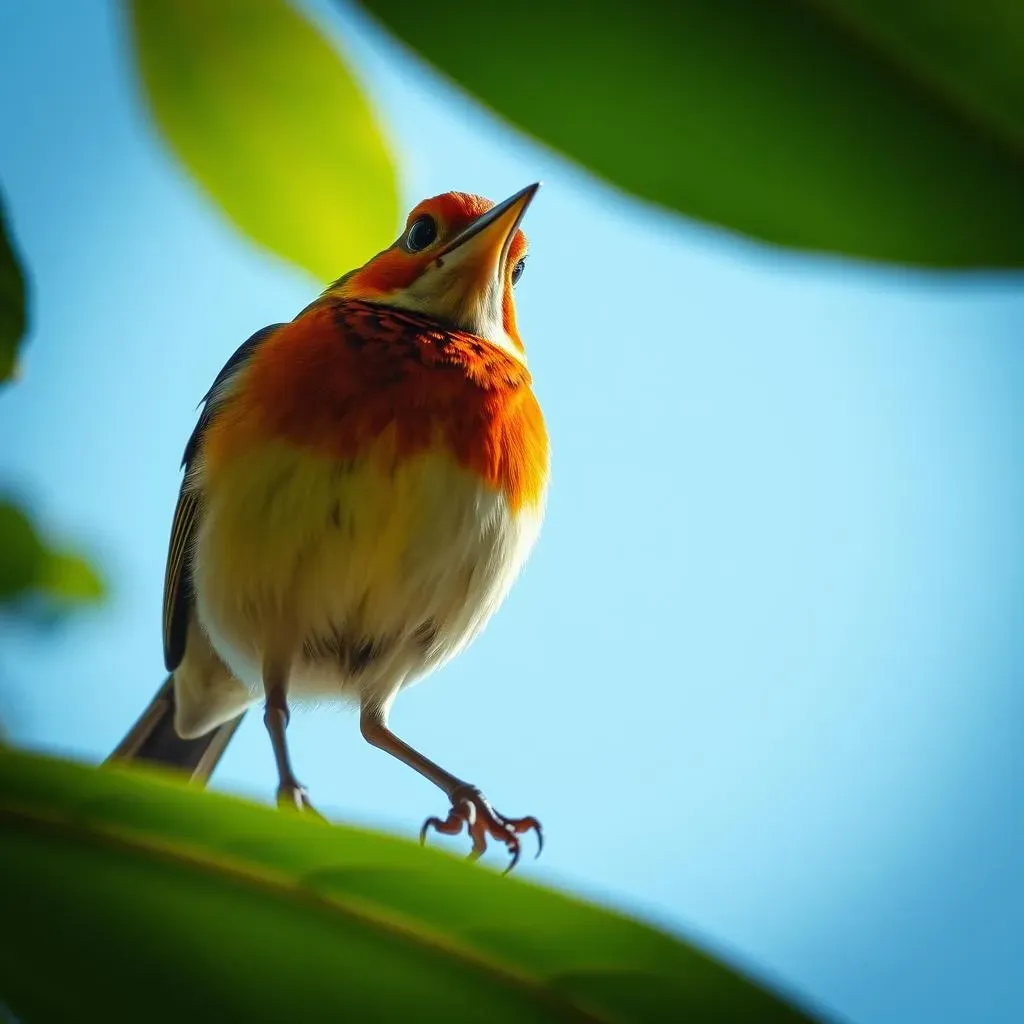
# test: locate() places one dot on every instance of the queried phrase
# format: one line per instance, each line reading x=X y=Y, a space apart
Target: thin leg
x=290 y=792
x=469 y=807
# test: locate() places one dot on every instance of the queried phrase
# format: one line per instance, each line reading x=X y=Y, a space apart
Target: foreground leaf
x=31 y=569
x=271 y=123
x=131 y=898
x=886 y=129
x=12 y=303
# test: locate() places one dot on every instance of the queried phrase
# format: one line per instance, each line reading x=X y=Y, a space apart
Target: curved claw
x=470 y=808
x=295 y=798
x=524 y=825
x=516 y=851
x=450 y=826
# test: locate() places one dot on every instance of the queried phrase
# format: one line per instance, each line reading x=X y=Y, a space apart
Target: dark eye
x=421 y=233
x=517 y=270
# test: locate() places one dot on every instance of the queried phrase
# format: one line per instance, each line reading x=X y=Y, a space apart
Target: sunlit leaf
x=133 y=898
x=886 y=129
x=12 y=302
x=272 y=124
x=30 y=569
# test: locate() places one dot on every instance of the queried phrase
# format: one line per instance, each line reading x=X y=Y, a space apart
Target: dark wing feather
x=178 y=578
x=212 y=397
x=178 y=574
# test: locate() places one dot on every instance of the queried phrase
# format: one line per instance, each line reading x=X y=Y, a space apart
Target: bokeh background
x=762 y=678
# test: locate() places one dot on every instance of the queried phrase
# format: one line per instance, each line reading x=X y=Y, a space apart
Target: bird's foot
x=470 y=808
x=293 y=796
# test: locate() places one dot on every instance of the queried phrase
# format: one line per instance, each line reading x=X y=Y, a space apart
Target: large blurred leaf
x=12 y=303
x=127 y=897
x=32 y=569
x=888 y=129
x=266 y=116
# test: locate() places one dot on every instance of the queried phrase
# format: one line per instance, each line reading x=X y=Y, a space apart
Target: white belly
x=358 y=576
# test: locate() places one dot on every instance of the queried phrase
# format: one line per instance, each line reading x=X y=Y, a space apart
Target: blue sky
x=762 y=678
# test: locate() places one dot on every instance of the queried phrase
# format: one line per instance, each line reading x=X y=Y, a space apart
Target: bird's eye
x=517 y=270
x=422 y=232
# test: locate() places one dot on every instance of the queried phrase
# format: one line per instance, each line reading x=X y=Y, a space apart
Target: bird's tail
x=153 y=738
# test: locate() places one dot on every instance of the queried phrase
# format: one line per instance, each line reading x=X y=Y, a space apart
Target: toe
x=295 y=798
x=450 y=826
x=471 y=809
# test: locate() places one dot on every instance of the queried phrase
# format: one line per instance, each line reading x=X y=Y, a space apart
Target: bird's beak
x=480 y=249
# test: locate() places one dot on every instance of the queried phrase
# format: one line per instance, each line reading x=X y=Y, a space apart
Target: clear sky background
x=762 y=678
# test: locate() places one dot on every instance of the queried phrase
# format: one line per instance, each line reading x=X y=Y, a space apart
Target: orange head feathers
x=456 y=262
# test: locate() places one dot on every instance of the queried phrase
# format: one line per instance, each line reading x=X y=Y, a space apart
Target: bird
x=362 y=488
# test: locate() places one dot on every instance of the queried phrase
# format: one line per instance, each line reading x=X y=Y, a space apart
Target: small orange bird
x=360 y=492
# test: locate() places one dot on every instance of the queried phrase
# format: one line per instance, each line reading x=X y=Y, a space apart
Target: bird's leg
x=290 y=792
x=469 y=806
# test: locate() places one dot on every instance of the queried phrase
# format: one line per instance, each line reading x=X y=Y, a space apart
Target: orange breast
x=346 y=372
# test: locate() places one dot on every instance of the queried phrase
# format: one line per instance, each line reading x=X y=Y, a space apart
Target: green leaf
x=31 y=569
x=273 y=126
x=69 y=578
x=886 y=129
x=134 y=898
x=22 y=554
x=12 y=303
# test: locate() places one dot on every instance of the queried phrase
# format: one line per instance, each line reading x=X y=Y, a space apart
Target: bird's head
x=457 y=261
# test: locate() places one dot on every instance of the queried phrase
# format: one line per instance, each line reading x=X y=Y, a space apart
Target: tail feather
x=153 y=738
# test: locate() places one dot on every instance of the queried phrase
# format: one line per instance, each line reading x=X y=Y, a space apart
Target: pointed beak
x=484 y=245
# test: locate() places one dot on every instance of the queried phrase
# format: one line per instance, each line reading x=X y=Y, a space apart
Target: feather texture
x=338 y=377
x=371 y=484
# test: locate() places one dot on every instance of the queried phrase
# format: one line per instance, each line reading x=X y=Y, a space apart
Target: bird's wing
x=178 y=596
